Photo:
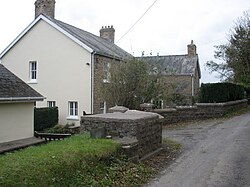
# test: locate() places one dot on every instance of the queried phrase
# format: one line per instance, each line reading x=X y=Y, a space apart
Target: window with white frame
x=33 y=70
x=102 y=107
x=106 y=72
x=73 y=108
x=51 y=104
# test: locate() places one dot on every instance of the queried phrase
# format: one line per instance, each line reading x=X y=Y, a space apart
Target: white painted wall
x=62 y=74
x=16 y=121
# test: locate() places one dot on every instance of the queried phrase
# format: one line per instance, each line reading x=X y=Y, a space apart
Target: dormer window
x=33 y=71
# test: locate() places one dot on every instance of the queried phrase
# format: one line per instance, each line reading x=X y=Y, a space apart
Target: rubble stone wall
x=199 y=112
x=147 y=131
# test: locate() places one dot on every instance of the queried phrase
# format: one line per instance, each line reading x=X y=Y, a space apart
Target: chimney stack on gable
x=191 y=49
x=108 y=33
x=46 y=7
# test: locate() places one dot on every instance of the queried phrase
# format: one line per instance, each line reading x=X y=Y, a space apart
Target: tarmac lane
x=216 y=153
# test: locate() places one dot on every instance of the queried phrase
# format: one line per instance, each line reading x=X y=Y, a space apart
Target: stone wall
x=144 y=128
x=181 y=84
x=98 y=80
x=199 y=112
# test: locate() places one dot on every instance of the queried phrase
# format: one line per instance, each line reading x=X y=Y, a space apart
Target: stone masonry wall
x=199 y=112
x=147 y=131
x=98 y=80
x=181 y=84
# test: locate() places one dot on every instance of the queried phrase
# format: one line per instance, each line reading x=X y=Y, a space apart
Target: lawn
x=76 y=161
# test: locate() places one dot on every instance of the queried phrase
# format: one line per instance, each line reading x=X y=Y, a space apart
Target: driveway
x=216 y=153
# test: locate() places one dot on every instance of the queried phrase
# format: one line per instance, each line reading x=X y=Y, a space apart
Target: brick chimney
x=46 y=7
x=191 y=49
x=108 y=33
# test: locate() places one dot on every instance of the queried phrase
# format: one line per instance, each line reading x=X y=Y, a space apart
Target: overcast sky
x=166 y=28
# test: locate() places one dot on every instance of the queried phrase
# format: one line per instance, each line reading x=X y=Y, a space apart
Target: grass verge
x=170 y=152
x=76 y=161
x=237 y=112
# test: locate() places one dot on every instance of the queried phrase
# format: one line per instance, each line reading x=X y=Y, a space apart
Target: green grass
x=76 y=161
x=172 y=145
x=237 y=112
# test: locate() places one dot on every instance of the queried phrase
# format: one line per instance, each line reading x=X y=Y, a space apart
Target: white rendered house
x=16 y=107
x=59 y=61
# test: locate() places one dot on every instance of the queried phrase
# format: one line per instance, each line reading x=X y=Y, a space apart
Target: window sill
x=75 y=118
x=32 y=82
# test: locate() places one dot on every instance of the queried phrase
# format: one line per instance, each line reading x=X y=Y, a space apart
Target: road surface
x=216 y=153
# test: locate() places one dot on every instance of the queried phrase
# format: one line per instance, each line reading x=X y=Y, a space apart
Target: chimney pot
x=191 y=49
x=108 y=33
x=46 y=7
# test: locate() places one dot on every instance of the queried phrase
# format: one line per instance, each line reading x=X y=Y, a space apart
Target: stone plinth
x=145 y=127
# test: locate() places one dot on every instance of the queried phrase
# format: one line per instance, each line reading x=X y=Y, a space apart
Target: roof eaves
x=21 y=99
x=99 y=45
x=180 y=74
x=198 y=67
x=116 y=57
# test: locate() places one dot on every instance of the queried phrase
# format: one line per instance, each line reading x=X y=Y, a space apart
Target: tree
x=235 y=55
x=132 y=83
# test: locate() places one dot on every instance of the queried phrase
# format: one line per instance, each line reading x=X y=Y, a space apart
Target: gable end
x=47 y=20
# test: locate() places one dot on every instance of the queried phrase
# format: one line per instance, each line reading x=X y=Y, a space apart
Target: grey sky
x=166 y=29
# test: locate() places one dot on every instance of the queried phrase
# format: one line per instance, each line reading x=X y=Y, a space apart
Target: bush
x=247 y=92
x=220 y=92
x=178 y=99
x=61 y=129
x=45 y=118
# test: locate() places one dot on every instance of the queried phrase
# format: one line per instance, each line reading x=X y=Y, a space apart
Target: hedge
x=45 y=118
x=247 y=91
x=220 y=92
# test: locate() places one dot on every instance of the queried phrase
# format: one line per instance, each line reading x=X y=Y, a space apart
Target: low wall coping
x=165 y=110
x=185 y=107
x=221 y=104
x=129 y=115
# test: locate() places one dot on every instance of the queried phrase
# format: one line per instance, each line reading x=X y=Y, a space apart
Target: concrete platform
x=19 y=144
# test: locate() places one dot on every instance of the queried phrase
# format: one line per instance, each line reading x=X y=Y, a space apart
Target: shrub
x=247 y=92
x=61 y=129
x=220 y=92
x=178 y=99
x=45 y=118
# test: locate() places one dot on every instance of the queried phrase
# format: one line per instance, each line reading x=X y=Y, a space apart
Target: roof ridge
x=163 y=56
x=111 y=47
x=77 y=28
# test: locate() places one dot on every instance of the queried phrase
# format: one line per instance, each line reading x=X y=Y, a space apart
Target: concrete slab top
x=18 y=144
x=128 y=115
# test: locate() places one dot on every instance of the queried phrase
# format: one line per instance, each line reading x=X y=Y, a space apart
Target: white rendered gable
x=42 y=17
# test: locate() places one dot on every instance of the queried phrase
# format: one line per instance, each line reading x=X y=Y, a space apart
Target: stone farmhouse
x=17 y=101
x=69 y=65
x=181 y=71
x=64 y=63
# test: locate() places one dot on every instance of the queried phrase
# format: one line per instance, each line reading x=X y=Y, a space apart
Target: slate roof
x=174 y=64
x=13 y=89
x=99 y=45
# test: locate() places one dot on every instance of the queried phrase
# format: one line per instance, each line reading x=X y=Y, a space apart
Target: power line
x=137 y=21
